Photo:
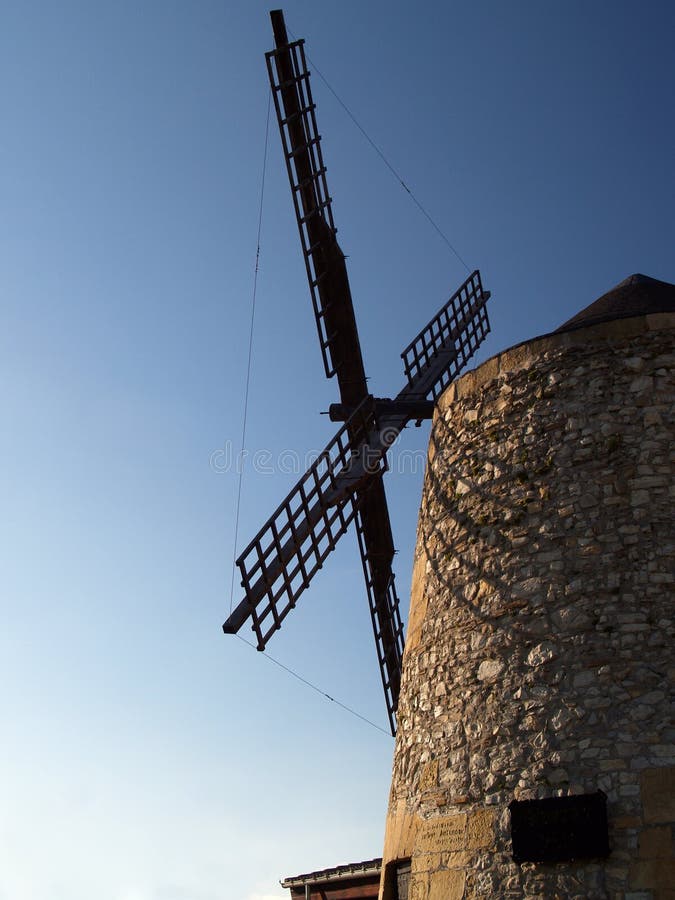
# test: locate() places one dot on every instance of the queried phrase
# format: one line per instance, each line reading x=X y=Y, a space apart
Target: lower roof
x=338 y=873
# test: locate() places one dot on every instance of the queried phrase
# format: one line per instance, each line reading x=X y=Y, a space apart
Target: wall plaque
x=559 y=828
x=446 y=833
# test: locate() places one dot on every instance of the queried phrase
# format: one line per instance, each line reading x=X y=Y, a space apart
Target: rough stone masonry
x=539 y=658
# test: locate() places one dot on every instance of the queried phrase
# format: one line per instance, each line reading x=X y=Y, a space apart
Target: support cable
x=384 y=159
x=314 y=687
x=250 y=354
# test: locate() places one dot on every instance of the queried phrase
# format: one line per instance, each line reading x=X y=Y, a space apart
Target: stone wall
x=539 y=658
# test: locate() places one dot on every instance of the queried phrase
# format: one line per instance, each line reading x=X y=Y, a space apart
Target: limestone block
x=655 y=843
x=429 y=776
x=480 y=829
x=419 y=887
x=401 y=829
x=425 y=862
x=658 y=795
x=447 y=885
x=460 y=860
x=490 y=669
x=653 y=874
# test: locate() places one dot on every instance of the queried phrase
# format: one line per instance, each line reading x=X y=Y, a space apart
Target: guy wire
x=250 y=352
x=314 y=687
x=384 y=159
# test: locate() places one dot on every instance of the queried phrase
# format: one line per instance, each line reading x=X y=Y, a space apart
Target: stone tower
x=535 y=752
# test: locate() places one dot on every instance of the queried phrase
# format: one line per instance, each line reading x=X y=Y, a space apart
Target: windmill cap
x=637 y=295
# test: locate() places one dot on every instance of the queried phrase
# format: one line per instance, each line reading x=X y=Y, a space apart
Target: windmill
x=345 y=483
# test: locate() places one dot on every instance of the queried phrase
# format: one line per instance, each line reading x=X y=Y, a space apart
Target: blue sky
x=145 y=756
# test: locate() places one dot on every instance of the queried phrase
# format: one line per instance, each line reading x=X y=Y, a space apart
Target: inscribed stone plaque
x=446 y=833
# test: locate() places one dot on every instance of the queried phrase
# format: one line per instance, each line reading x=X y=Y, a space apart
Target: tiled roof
x=369 y=867
x=638 y=295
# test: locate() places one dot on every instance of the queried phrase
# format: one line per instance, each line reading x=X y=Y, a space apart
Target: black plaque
x=559 y=828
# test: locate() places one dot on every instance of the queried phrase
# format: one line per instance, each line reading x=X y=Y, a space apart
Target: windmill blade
x=280 y=561
x=377 y=550
x=324 y=261
x=443 y=347
x=345 y=483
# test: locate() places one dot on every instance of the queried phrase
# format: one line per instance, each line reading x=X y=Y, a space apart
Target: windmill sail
x=443 y=347
x=345 y=483
x=301 y=142
x=336 y=325
x=280 y=561
x=383 y=601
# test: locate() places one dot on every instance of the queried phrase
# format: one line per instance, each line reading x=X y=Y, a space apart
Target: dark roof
x=638 y=295
x=350 y=870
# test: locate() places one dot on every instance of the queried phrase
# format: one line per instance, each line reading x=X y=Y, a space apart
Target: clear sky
x=144 y=755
